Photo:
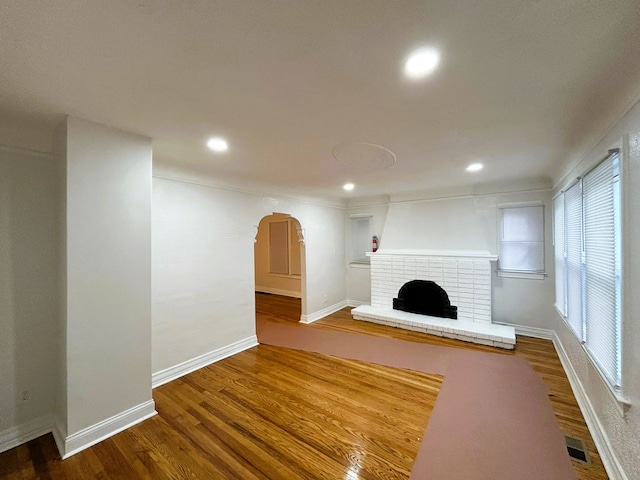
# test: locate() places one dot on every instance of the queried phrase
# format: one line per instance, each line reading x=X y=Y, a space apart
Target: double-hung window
x=521 y=239
x=587 y=244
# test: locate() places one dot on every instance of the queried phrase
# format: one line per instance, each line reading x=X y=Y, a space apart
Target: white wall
x=471 y=223
x=359 y=275
x=203 y=265
x=60 y=154
x=108 y=273
x=28 y=313
x=618 y=435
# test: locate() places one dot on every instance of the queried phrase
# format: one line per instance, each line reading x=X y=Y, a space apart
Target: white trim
x=526 y=331
x=314 y=317
x=177 y=371
x=523 y=275
x=560 y=314
x=532 y=203
x=356 y=303
x=28 y=151
x=89 y=436
x=480 y=254
x=395 y=200
x=621 y=402
x=279 y=291
x=600 y=437
x=360 y=265
x=19 y=434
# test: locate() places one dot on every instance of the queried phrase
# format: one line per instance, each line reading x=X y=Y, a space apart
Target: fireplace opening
x=426 y=298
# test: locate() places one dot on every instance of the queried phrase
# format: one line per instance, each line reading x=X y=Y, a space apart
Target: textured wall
x=28 y=316
x=203 y=265
x=621 y=433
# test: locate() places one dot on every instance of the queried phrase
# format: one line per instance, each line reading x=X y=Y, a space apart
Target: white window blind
x=559 y=248
x=591 y=212
x=601 y=285
x=573 y=216
x=522 y=239
x=360 y=238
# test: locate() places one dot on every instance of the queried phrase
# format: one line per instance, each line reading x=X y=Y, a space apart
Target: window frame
x=614 y=385
x=513 y=273
x=360 y=260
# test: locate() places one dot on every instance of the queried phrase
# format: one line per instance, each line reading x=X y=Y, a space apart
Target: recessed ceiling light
x=421 y=63
x=474 y=167
x=217 y=144
x=348 y=186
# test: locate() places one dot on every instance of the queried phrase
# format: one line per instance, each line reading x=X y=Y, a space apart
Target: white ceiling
x=523 y=86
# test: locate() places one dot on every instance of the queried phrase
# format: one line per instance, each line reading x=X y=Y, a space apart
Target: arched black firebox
x=425 y=297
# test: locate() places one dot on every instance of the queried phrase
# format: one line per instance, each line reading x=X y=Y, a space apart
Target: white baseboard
x=27 y=431
x=315 y=316
x=177 y=371
x=59 y=434
x=356 y=303
x=89 y=436
x=278 y=291
x=534 y=332
x=600 y=438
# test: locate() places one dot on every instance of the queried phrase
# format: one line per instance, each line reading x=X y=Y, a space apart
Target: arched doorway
x=279 y=262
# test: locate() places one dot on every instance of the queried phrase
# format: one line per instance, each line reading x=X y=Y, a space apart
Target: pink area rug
x=492 y=419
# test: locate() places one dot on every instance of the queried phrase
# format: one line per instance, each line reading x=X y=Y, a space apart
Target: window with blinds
x=587 y=237
x=521 y=239
x=560 y=253
x=601 y=275
x=573 y=216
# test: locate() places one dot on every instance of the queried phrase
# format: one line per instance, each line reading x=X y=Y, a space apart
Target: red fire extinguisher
x=374 y=244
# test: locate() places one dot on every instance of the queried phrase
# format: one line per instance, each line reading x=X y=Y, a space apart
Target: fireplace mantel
x=469 y=254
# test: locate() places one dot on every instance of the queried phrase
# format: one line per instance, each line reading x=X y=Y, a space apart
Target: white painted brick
x=467 y=282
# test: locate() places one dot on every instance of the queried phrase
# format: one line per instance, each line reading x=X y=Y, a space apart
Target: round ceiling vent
x=364 y=155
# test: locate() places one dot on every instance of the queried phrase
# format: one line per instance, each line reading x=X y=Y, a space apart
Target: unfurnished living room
x=320 y=239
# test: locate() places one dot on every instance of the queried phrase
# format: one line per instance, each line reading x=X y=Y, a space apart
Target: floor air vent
x=577 y=449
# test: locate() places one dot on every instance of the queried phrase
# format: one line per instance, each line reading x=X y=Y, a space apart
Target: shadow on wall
x=28 y=302
x=279 y=254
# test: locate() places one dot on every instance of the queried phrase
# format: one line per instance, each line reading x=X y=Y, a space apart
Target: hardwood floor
x=271 y=413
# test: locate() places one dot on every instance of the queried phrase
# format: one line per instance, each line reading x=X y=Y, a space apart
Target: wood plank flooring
x=271 y=413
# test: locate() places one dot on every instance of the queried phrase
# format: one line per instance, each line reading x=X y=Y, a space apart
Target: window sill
x=559 y=312
x=622 y=403
x=527 y=275
x=617 y=396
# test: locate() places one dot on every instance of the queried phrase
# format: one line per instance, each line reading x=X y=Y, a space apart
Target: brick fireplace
x=464 y=275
